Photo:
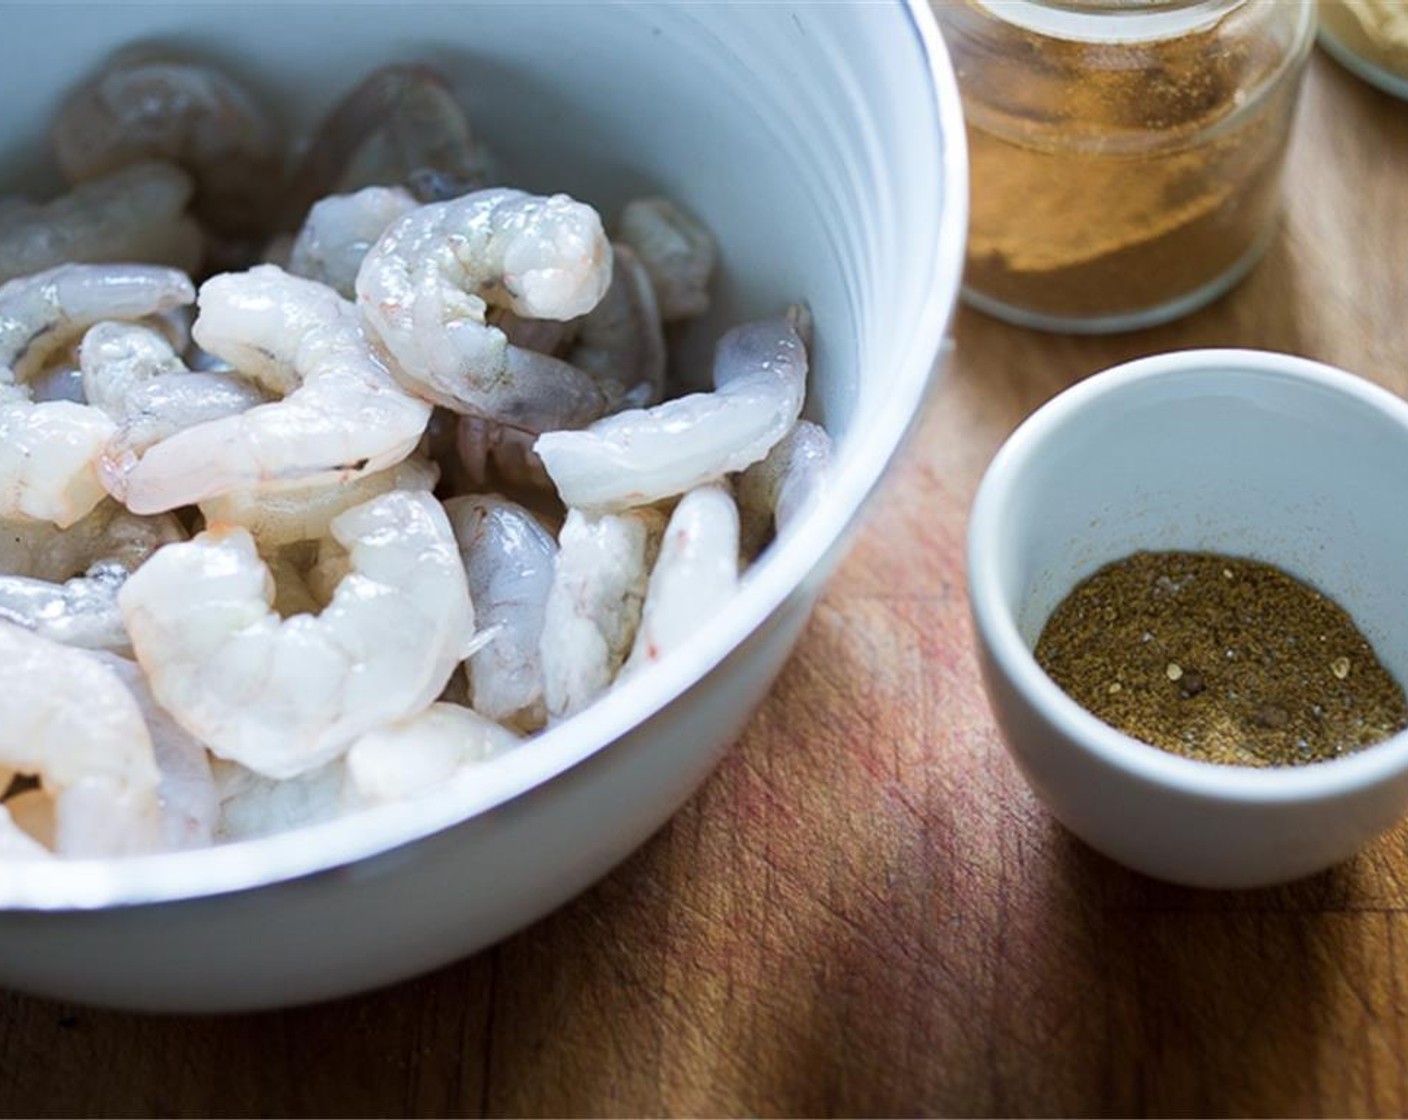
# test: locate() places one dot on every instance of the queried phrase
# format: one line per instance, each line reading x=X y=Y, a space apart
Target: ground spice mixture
x=1112 y=178
x=1220 y=659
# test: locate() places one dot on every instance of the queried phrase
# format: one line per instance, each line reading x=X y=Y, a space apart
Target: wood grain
x=865 y=911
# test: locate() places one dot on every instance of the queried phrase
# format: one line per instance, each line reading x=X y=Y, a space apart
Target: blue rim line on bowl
x=324 y=848
x=1395 y=85
x=1138 y=759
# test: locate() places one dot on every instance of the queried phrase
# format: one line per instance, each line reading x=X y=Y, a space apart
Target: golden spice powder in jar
x=1125 y=154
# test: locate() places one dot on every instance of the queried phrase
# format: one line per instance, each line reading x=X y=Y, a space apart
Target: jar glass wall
x=1126 y=154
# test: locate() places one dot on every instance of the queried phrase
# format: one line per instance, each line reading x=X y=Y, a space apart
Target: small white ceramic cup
x=1236 y=451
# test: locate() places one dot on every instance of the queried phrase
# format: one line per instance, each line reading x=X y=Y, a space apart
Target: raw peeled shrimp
x=160 y=408
x=546 y=336
x=594 y=607
x=44 y=313
x=48 y=450
x=620 y=342
x=303 y=513
x=63 y=583
x=69 y=719
x=771 y=491
x=417 y=754
x=339 y=232
x=133 y=374
x=694 y=578
x=641 y=456
x=677 y=252
x=284 y=696
x=144 y=107
x=116 y=356
x=61 y=376
x=252 y=805
x=135 y=214
x=508 y=557
x=342 y=415
x=107 y=534
x=400 y=126
x=186 y=790
x=425 y=287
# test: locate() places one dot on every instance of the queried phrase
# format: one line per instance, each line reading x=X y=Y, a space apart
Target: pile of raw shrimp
x=393 y=489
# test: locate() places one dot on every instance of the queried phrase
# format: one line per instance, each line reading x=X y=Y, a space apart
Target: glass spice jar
x=1126 y=154
x=1369 y=37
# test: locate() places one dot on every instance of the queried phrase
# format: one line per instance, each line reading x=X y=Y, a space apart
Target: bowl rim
x=996 y=625
x=323 y=849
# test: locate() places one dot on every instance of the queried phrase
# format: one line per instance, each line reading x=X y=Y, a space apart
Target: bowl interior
x=821 y=144
x=1263 y=456
x=779 y=127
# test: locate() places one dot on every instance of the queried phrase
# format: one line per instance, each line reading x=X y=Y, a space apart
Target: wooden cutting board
x=865 y=911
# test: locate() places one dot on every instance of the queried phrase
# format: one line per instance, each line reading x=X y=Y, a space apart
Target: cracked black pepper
x=1220 y=659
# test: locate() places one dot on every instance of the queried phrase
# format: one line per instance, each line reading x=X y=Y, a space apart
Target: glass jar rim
x=1110 y=21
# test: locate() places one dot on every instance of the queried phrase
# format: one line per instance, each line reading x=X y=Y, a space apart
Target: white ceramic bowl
x=1235 y=451
x=1341 y=33
x=824 y=146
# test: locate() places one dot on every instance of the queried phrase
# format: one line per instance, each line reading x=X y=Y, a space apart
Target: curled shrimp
x=546 y=336
x=284 y=696
x=643 y=455
x=49 y=450
x=277 y=518
x=63 y=583
x=132 y=373
x=620 y=342
x=425 y=287
x=594 y=607
x=339 y=232
x=115 y=357
x=509 y=558
x=694 y=578
x=185 y=788
x=61 y=376
x=135 y=214
x=144 y=107
x=417 y=754
x=773 y=490
x=341 y=415
x=677 y=251
x=400 y=126
x=69 y=720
